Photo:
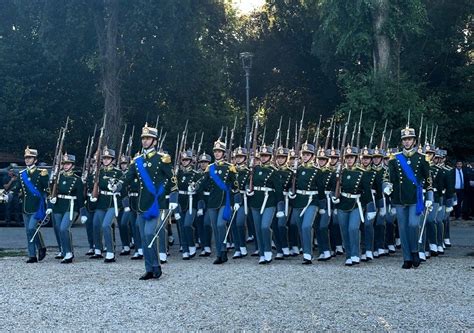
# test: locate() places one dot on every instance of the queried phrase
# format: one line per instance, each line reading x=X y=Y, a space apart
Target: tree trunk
x=382 y=47
x=107 y=33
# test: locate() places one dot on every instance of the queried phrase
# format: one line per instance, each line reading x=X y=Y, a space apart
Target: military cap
x=378 y=152
x=334 y=153
x=351 y=151
x=204 y=158
x=240 y=152
x=187 y=155
x=307 y=148
x=429 y=149
x=108 y=153
x=149 y=132
x=282 y=151
x=408 y=132
x=219 y=145
x=366 y=152
x=68 y=158
x=124 y=159
x=29 y=152
x=266 y=150
x=323 y=154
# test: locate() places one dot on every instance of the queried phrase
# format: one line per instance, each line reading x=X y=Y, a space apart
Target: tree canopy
x=180 y=60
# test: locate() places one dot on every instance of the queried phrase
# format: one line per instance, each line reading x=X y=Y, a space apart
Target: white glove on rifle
x=172 y=206
x=428 y=203
x=371 y=215
x=335 y=200
x=83 y=219
x=449 y=209
x=322 y=211
x=388 y=188
x=49 y=211
x=53 y=200
x=200 y=212
x=92 y=199
x=236 y=207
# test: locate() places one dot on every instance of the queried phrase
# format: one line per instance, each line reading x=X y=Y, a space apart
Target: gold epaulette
x=43 y=172
x=232 y=168
x=165 y=158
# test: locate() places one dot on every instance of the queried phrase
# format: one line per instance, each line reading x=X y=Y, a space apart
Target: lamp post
x=246 y=58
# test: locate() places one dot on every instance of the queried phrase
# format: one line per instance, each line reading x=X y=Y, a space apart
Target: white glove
x=191 y=188
x=92 y=199
x=126 y=209
x=428 y=203
x=455 y=203
x=112 y=187
x=5 y=198
x=335 y=200
x=177 y=216
x=388 y=189
x=291 y=195
x=200 y=212
x=471 y=182
x=440 y=208
x=49 y=211
x=449 y=209
x=172 y=206
x=249 y=193
x=279 y=215
x=83 y=219
x=371 y=216
x=383 y=211
x=53 y=200
x=393 y=211
x=322 y=211
x=236 y=207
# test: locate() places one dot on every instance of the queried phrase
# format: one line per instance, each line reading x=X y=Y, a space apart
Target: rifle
x=231 y=141
x=128 y=149
x=297 y=153
x=86 y=154
x=55 y=179
x=316 y=135
x=254 y=151
x=421 y=127
x=372 y=135
x=382 y=140
x=389 y=138
x=200 y=144
x=358 y=130
x=276 y=142
x=98 y=157
x=341 y=159
x=435 y=135
x=157 y=121
x=326 y=143
x=121 y=143
x=194 y=142
x=162 y=140
x=288 y=134
x=88 y=160
x=56 y=155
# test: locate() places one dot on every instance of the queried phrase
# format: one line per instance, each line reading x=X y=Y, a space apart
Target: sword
x=159 y=229
x=228 y=228
x=43 y=222
x=420 y=240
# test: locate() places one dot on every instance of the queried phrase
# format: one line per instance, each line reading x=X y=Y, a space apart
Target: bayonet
x=372 y=135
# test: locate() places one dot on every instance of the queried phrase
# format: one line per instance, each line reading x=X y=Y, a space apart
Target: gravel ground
x=240 y=295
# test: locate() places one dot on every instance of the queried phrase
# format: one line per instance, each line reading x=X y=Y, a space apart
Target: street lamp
x=246 y=58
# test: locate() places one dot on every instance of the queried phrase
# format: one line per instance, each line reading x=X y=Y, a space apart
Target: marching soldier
x=381 y=202
x=334 y=230
x=349 y=207
x=238 y=228
x=126 y=226
x=305 y=203
x=324 y=183
x=88 y=184
x=187 y=204
x=68 y=203
x=220 y=181
x=405 y=176
x=449 y=198
x=108 y=205
x=391 y=216
x=368 y=201
x=133 y=191
x=285 y=174
x=153 y=171
x=204 y=228
x=265 y=197
x=34 y=183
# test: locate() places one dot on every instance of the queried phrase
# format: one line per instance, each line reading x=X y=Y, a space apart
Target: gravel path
x=240 y=295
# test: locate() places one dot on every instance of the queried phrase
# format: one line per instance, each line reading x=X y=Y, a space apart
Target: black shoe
x=59 y=256
x=205 y=254
x=433 y=253
x=125 y=253
x=41 y=253
x=137 y=257
x=407 y=264
x=67 y=261
x=218 y=261
x=132 y=246
x=96 y=256
x=416 y=259
x=280 y=258
x=238 y=256
x=255 y=254
x=163 y=262
x=109 y=260
x=192 y=255
x=32 y=260
x=307 y=262
x=157 y=275
x=147 y=276
x=90 y=252
x=224 y=256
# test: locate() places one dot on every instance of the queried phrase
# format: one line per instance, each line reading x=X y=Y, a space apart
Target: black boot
x=407 y=264
x=146 y=276
x=32 y=260
x=416 y=259
x=218 y=261
x=224 y=256
x=41 y=253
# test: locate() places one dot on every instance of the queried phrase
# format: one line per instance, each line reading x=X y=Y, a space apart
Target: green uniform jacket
x=404 y=191
x=368 y=182
x=351 y=182
x=306 y=180
x=90 y=206
x=450 y=181
x=71 y=185
x=266 y=176
x=187 y=177
x=325 y=181
x=285 y=175
x=106 y=201
x=39 y=178
x=228 y=174
x=159 y=169
x=379 y=170
x=439 y=182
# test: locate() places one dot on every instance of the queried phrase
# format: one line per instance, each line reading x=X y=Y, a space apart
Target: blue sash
x=154 y=210
x=408 y=171
x=226 y=215
x=41 y=212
